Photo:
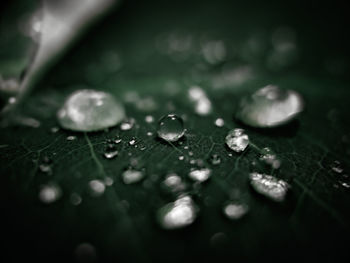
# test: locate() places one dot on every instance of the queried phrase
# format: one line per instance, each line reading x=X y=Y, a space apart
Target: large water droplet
x=234 y=210
x=269 y=186
x=270 y=106
x=237 y=140
x=170 y=128
x=132 y=176
x=178 y=214
x=90 y=110
x=200 y=175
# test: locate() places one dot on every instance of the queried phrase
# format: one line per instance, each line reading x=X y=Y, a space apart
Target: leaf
x=130 y=55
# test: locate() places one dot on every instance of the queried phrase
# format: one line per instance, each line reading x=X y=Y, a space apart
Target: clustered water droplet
x=170 y=128
x=237 y=140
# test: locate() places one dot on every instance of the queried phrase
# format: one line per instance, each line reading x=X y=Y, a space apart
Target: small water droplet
x=75 y=199
x=234 y=210
x=202 y=104
x=127 y=124
x=178 y=214
x=45 y=168
x=200 y=175
x=270 y=158
x=149 y=119
x=270 y=106
x=54 y=129
x=173 y=183
x=149 y=133
x=215 y=159
x=90 y=110
x=269 y=186
x=132 y=176
x=71 y=138
x=170 y=128
x=110 y=154
x=219 y=122
x=336 y=167
x=49 y=193
x=97 y=187
x=181 y=157
x=237 y=140
x=132 y=141
x=117 y=140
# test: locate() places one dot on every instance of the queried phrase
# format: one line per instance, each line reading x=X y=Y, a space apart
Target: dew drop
x=200 y=175
x=181 y=157
x=270 y=106
x=215 y=159
x=127 y=124
x=237 y=140
x=132 y=176
x=234 y=210
x=178 y=214
x=219 y=122
x=269 y=186
x=149 y=133
x=97 y=187
x=149 y=119
x=110 y=154
x=90 y=110
x=170 y=128
x=270 y=158
x=49 y=193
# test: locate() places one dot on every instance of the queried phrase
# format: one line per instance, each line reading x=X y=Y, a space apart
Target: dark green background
x=312 y=224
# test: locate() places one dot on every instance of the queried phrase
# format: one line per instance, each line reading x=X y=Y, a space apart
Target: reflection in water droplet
x=178 y=214
x=270 y=106
x=269 y=186
x=132 y=176
x=90 y=110
x=200 y=175
x=234 y=210
x=237 y=140
x=170 y=128
x=49 y=193
x=97 y=187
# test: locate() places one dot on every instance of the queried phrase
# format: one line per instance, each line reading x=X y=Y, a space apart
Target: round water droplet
x=270 y=106
x=173 y=183
x=200 y=175
x=170 y=128
x=178 y=214
x=97 y=187
x=90 y=110
x=49 y=193
x=269 y=186
x=237 y=140
x=132 y=176
x=234 y=210
x=219 y=122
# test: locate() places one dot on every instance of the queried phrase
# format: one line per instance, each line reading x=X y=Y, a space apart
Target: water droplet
x=234 y=210
x=132 y=176
x=181 y=157
x=117 y=140
x=270 y=106
x=71 y=138
x=54 y=129
x=149 y=119
x=108 y=181
x=127 y=124
x=345 y=184
x=237 y=140
x=149 y=133
x=170 y=128
x=110 y=154
x=214 y=51
x=336 y=167
x=219 y=122
x=45 y=168
x=200 y=175
x=270 y=158
x=215 y=159
x=178 y=214
x=132 y=141
x=49 y=193
x=202 y=104
x=174 y=183
x=269 y=186
x=75 y=199
x=97 y=187
x=90 y=110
